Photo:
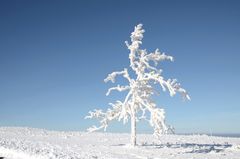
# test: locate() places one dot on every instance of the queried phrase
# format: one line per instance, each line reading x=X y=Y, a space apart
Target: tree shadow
x=194 y=147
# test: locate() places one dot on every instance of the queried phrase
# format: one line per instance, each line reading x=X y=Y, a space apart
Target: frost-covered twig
x=118 y=88
x=105 y=118
x=111 y=77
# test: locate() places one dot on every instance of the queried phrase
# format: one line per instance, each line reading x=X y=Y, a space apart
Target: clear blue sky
x=54 y=56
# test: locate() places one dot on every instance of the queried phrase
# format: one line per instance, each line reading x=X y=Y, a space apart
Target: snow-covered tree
x=140 y=90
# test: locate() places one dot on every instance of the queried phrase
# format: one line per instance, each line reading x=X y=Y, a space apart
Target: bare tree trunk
x=133 y=129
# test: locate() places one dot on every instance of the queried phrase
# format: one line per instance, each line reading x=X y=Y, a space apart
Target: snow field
x=29 y=143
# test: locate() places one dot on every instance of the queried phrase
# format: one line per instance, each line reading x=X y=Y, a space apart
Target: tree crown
x=140 y=89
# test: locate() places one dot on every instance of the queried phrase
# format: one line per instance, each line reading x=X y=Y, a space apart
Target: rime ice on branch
x=140 y=89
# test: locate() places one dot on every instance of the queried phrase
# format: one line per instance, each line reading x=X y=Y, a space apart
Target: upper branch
x=136 y=41
x=112 y=76
x=171 y=84
x=157 y=56
x=118 y=88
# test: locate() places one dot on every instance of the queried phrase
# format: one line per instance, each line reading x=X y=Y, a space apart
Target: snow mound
x=30 y=143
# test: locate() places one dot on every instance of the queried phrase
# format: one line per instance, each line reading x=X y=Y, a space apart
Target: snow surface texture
x=29 y=143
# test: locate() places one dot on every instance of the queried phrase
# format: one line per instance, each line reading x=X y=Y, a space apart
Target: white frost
x=140 y=90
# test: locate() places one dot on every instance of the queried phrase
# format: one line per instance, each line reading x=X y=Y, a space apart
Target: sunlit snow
x=28 y=143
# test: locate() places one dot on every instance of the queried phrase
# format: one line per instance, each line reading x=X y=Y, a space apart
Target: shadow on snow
x=194 y=147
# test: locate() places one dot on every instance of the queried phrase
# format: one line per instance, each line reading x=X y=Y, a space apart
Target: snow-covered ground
x=29 y=143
